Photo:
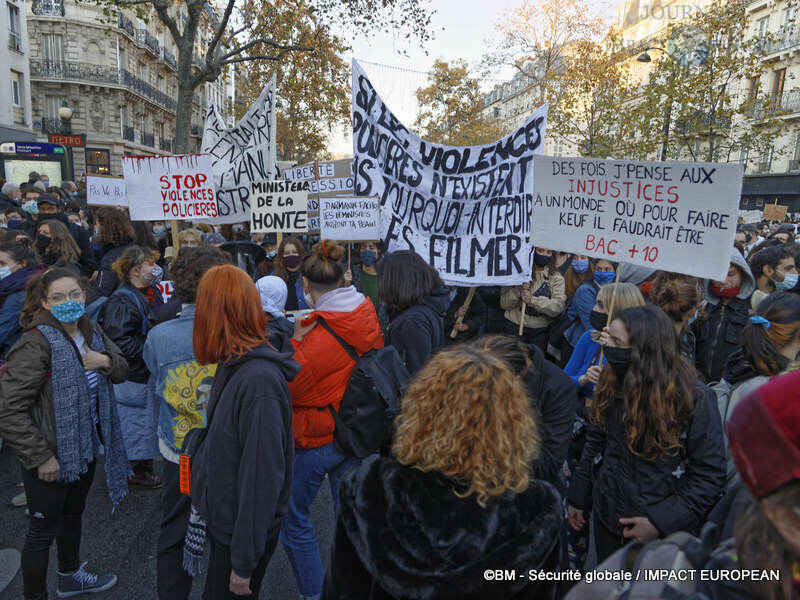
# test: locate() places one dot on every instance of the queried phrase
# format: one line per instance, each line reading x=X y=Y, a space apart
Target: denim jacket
x=180 y=385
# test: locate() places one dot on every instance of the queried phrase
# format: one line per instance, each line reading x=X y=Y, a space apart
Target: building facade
x=119 y=79
x=15 y=101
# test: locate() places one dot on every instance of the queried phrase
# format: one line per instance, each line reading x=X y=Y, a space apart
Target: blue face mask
x=604 y=277
x=69 y=311
x=272 y=254
x=789 y=281
x=73 y=194
x=5 y=272
x=14 y=224
x=580 y=265
x=368 y=257
x=31 y=207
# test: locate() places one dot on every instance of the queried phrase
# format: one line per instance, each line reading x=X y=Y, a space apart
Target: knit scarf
x=77 y=440
x=194 y=545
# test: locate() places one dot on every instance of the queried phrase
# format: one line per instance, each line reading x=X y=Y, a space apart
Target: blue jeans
x=297 y=533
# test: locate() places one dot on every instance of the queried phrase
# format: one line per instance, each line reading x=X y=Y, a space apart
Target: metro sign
x=66 y=140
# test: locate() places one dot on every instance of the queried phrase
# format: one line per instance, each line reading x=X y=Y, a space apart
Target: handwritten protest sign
x=750 y=216
x=177 y=187
x=241 y=154
x=350 y=219
x=167 y=288
x=774 y=212
x=105 y=191
x=279 y=206
x=465 y=210
x=675 y=216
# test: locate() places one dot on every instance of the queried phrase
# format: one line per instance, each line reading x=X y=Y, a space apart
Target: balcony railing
x=148 y=139
x=148 y=39
x=126 y=24
x=169 y=58
x=786 y=103
x=48 y=8
x=128 y=133
x=14 y=40
x=788 y=38
x=53 y=125
x=197 y=130
x=165 y=144
x=18 y=113
x=45 y=69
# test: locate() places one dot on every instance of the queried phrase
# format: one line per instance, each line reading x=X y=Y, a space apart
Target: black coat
x=81 y=236
x=7 y=202
x=474 y=319
x=555 y=400
x=107 y=281
x=676 y=493
x=171 y=309
x=495 y=314
x=121 y=320
x=718 y=333
x=418 y=331
x=242 y=472
x=404 y=534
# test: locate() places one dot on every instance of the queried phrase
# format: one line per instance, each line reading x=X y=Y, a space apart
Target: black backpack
x=371 y=400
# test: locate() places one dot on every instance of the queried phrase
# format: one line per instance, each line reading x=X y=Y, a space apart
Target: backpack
x=95 y=308
x=371 y=399
x=561 y=324
x=651 y=571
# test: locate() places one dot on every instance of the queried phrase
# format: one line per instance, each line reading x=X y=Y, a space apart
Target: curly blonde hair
x=466 y=416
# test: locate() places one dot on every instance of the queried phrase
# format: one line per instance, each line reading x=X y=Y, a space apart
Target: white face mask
x=309 y=300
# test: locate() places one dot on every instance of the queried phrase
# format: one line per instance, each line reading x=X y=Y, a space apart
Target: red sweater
x=326 y=369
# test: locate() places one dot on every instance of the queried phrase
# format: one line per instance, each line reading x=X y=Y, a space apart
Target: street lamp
x=644 y=57
x=65 y=114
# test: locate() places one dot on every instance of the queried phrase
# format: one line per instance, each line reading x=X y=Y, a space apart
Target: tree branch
x=163 y=14
x=246 y=58
x=284 y=48
x=221 y=27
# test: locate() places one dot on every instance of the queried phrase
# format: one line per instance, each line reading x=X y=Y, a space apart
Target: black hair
x=405 y=280
x=762 y=345
x=21 y=252
x=768 y=256
x=190 y=266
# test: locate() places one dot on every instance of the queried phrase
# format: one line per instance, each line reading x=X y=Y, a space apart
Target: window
x=143 y=72
x=160 y=131
x=778 y=81
x=14 y=38
x=52 y=104
x=98 y=161
x=53 y=53
x=16 y=88
x=160 y=83
x=752 y=91
x=123 y=59
x=763 y=26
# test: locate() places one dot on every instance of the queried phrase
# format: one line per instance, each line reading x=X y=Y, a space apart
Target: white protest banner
x=241 y=154
x=105 y=191
x=337 y=184
x=300 y=173
x=750 y=216
x=465 y=210
x=349 y=219
x=279 y=206
x=313 y=222
x=160 y=188
x=673 y=216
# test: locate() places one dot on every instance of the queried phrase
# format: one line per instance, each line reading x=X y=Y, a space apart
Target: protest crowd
x=480 y=441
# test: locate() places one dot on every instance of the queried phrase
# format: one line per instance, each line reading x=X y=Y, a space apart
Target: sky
x=462 y=29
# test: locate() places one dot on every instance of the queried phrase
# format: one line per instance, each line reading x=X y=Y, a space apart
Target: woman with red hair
x=241 y=472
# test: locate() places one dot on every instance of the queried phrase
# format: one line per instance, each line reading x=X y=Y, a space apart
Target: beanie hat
x=764 y=435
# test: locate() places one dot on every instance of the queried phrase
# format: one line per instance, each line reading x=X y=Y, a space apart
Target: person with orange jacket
x=325 y=371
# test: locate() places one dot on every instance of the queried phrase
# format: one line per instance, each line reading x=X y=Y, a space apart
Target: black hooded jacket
x=474 y=319
x=555 y=400
x=242 y=472
x=404 y=534
x=418 y=331
x=676 y=493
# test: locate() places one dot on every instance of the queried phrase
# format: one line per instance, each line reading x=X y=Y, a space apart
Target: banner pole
x=460 y=319
x=175 y=242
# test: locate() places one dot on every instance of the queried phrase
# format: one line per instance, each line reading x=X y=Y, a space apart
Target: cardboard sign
x=240 y=155
x=465 y=210
x=350 y=219
x=774 y=212
x=279 y=206
x=160 y=188
x=105 y=191
x=673 y=216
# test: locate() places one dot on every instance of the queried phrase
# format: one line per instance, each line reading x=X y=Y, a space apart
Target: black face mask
x=619 y=359
x=541 y=260
x=598 y=320
x=42 y=242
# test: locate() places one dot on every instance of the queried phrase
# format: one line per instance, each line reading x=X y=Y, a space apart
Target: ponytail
x=322 y=267
x=774 y=326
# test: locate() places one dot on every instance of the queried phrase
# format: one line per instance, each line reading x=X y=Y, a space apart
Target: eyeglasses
x=74 y=295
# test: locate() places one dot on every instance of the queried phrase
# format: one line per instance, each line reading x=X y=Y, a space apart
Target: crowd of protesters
x=545 y=426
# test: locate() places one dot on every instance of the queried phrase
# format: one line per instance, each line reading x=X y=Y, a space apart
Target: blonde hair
x=628 y=296
x=466 y=416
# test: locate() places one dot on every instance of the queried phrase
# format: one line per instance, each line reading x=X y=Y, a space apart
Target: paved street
x=125 y=542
